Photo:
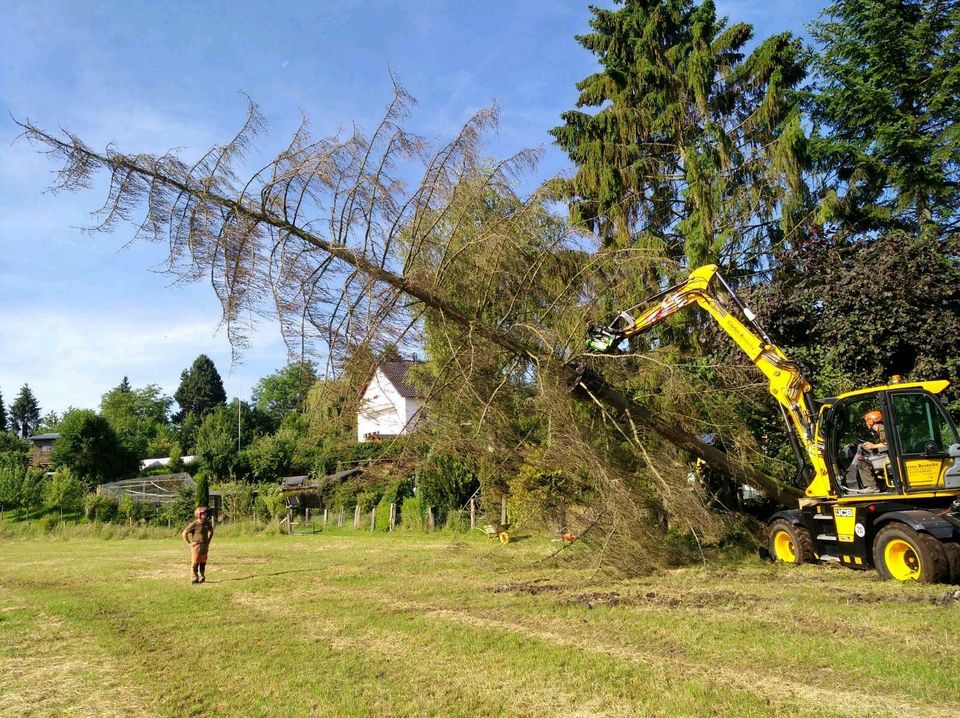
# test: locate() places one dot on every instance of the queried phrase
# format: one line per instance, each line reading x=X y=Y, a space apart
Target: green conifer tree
x=888 y=103
x=201 y=388
x=25 y=412
x=695 y=152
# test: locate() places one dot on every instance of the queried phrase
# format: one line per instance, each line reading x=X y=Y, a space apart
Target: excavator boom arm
x=787 y=382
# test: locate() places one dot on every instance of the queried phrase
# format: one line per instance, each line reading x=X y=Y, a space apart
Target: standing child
x=199 y=534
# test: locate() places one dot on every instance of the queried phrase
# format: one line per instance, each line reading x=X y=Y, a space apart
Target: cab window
x=922 y=424
x=850 y=428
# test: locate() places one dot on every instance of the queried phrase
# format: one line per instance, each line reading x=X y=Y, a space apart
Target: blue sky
x=78 y=311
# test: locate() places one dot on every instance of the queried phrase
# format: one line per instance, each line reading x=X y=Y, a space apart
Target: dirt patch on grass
x=597 y=598
x=946 y=598
x=705 y=600
x=532 y=588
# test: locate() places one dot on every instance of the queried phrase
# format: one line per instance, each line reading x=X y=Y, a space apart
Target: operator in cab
x=871 y=452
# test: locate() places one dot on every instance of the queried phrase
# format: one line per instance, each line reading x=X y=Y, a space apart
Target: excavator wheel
x=903 y=554
x=790 y=543
x=952 y=552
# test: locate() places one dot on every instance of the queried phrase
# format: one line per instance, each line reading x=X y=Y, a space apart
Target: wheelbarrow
x=497 y=531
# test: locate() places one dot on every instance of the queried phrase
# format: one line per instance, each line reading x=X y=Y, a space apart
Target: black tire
x=952 y=552
x=790 y=543
x=902 y=554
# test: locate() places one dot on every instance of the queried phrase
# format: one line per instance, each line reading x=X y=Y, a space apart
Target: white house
x=390 y=404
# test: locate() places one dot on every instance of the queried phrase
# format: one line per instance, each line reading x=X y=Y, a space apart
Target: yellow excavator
x=881 y=464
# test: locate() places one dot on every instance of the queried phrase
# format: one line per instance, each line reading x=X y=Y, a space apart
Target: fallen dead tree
x=325 y=236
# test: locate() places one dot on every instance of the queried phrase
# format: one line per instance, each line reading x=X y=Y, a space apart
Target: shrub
x=97 y=507
x=336 y=456
x=179 y=511
x=49 y=523
x=238 y=500
x=395 y=492
x=64 y=492
x=269 y=504
x=202 y=497
x=271 y=456
x=446 y=483
x=413 y=515
x=127 y=508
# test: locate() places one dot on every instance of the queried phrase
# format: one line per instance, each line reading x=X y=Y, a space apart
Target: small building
x=390 y=404
x=301 y=492
x=165 y=461
x=41 y=449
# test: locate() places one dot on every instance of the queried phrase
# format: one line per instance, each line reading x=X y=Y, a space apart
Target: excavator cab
x=922 y=454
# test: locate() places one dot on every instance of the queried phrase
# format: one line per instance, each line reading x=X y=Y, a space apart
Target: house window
x=46 y=448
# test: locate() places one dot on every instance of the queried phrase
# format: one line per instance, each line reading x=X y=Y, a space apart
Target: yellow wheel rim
x=902 y=560
x=783 y=547
x=504 y=537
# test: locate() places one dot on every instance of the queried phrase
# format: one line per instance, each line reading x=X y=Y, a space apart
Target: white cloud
x=72 y=358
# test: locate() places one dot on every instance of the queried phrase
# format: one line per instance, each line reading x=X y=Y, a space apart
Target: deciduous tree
x=858 y=313
x=13 y=469
x=136 y=415
x=64 y=491
x=285 y=391
x=90 y=448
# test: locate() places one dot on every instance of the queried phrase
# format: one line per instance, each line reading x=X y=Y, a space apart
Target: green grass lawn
x=354 y=624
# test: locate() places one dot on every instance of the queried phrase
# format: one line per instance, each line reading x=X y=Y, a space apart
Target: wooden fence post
x=503 y=508
x=393 y=517
x=340 y=518
x=356 y=517
x=431 y=521
x=473 y=514
x=324 y=517
x=373 y=517
x=306 y=516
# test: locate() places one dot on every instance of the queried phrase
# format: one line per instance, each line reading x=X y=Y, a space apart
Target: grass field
x=410 y=625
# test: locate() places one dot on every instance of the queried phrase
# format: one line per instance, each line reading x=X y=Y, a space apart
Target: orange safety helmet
x=874 y=416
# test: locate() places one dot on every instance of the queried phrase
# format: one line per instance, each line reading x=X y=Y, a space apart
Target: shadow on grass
x=262 y=575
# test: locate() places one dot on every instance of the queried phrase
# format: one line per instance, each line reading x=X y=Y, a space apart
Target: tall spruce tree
x=888 y=104
x=25 y=412
x=201 y=388
x=3 y=415
x=696 y=152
